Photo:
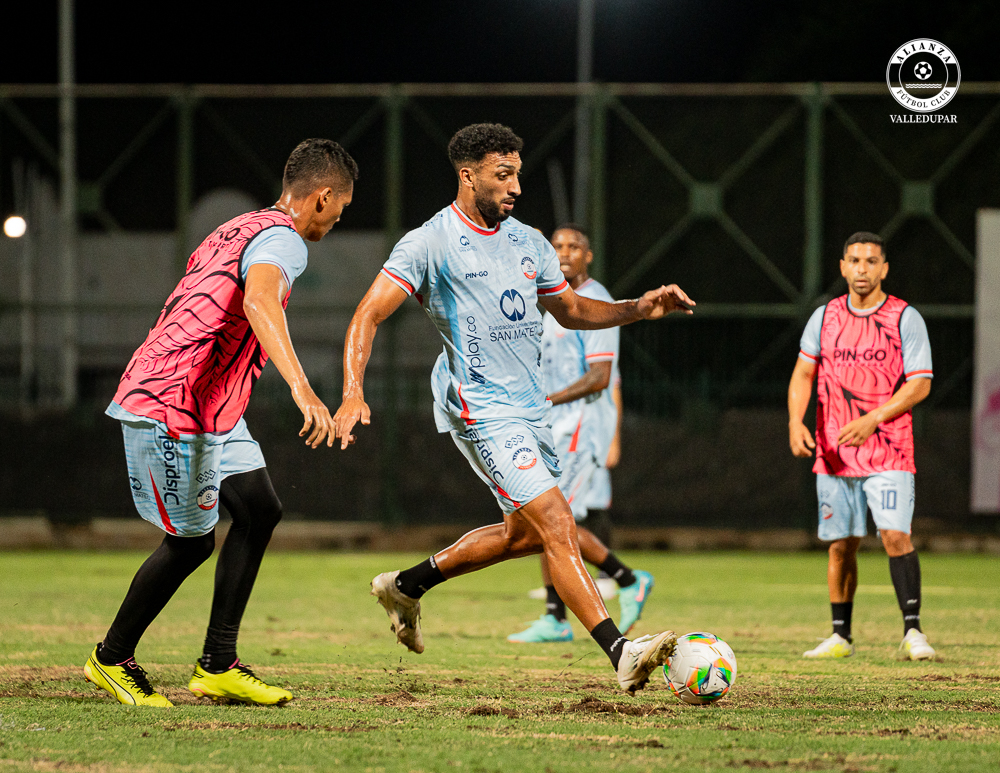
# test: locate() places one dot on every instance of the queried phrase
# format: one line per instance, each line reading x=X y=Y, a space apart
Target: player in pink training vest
x=873 y=360
x=188 y=449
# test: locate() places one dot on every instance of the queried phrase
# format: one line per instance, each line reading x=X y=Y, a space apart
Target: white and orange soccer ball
x=702 y=668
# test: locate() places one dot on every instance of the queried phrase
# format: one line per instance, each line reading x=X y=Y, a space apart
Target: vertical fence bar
x=598 y=184
x=67 y=205
x=24 y=203
x=812 y=258
x=185 y=175
x=395 y=104
x=584 y=110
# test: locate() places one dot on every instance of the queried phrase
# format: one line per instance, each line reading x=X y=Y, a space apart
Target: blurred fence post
x=68 y=204
x=813 y=197
x=395 y=104
x=598 y=182
x=185 y=103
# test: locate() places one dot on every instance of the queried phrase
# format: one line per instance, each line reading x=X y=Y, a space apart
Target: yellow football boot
x=127 y=682
x=835 y=646
x=237 y=684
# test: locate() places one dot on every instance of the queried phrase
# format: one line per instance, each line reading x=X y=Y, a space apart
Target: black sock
x=250 y=500
x=600 y=525
x=417 y=580
x=152 y=587
x=610 y=639
x=554 y=605
x=842 y=618
x=905 y=573
x=617 y=570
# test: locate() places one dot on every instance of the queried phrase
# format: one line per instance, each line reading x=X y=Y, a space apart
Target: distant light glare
x=14 y=226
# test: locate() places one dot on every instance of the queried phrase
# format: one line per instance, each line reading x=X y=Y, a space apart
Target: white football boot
x=641 y=657
x=403 y=611
x=915 y=646
x=834 y=647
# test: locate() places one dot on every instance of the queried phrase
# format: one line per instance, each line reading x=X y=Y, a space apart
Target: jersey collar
x=865 y=312
x=473 y=226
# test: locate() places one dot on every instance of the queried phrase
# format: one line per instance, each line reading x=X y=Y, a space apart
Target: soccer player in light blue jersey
x=479 y=274
x=579 y=366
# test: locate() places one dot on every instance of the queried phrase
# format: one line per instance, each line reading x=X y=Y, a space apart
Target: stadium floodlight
x=15 y=226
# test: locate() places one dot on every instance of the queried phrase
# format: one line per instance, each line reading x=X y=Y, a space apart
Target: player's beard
x=490 y=210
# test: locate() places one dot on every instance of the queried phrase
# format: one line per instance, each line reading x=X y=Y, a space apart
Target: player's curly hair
x=315 y=163
x=866 y=237
x=473 y=143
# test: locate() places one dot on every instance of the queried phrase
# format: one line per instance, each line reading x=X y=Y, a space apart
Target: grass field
x=473 y=702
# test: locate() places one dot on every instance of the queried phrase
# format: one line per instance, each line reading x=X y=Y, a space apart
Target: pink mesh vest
x=860 y=368
x=195 y=370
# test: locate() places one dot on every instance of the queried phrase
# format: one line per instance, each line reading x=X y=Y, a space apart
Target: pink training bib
x=860 y=368
x=195 y=370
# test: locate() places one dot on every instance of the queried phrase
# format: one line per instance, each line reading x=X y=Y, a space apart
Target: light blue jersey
x=480 y=288
x=588 y=424
x=583 y=429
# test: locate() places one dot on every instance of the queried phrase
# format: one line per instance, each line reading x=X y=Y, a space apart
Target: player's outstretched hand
x=351 y=411
x=664 y=300
x=318 y=425
x=855 y=433
x=800 y=439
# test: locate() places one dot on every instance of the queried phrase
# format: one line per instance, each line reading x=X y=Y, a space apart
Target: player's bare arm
x=381 y=300
x=799 y=392
x=595 y=380
x=858 y=431
x=262 y=302
x=577 y=312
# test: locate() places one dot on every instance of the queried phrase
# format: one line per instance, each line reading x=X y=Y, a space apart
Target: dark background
x=520 y=40
x=704 y=446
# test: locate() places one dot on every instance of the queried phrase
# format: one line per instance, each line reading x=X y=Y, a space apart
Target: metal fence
x=742 y=194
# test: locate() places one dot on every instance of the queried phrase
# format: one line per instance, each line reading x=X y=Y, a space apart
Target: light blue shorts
x=579 y=468
x=600 y=490
x=175 y=479
x=844 y=503
x=516 y=459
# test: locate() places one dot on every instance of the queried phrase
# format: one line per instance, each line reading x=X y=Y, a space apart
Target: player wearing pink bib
x=187 y=447
x=195 y=370
x=873 y=360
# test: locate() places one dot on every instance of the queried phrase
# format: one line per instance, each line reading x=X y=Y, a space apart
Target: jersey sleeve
x=916 y=345
x=281 y=247
x=600 y=345
x=550 y=279
x=407 y=264
x=809 y=343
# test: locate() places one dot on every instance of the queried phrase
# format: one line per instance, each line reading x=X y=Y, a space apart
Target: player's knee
x=842 y=548
x=522 y=539
x=193 y=551
x=270 y=514
x=897 y=543
x=560 y=529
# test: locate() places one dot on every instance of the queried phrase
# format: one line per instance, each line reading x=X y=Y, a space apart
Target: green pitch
x=473 y=702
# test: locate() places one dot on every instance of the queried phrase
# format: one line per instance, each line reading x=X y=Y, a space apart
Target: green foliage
x=473 y=702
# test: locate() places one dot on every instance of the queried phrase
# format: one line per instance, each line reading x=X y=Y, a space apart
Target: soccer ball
x=923 y=70
x=702 y=668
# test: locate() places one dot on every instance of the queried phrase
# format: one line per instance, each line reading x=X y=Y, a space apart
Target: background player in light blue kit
x=579 y=366
x=479 y=274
